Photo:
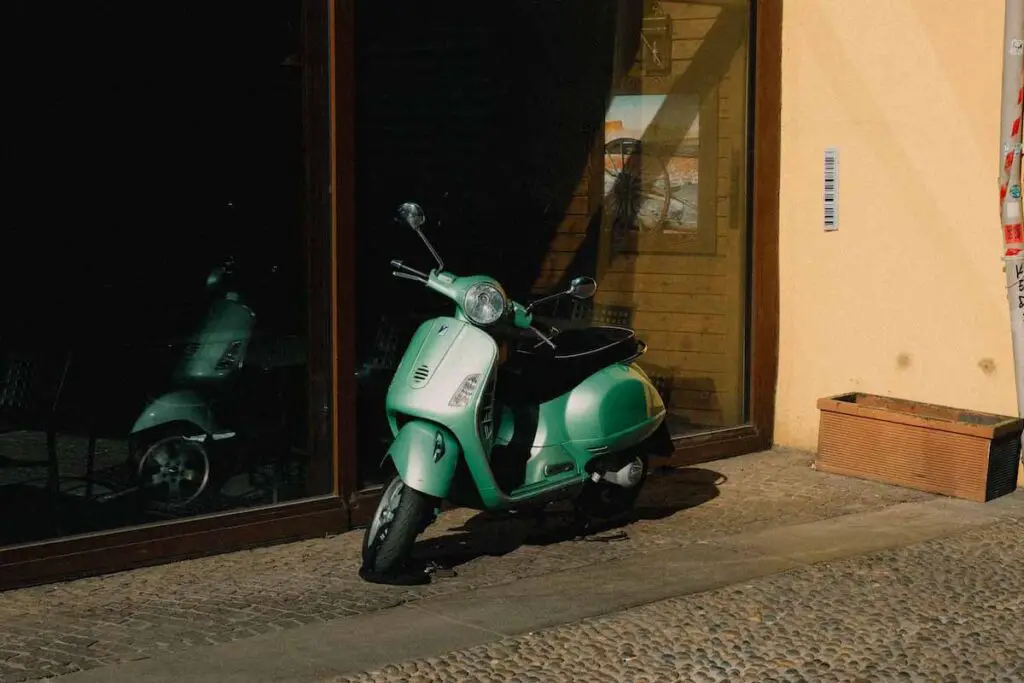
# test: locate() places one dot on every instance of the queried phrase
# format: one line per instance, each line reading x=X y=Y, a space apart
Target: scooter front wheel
x=174 y=470
x=400 y=516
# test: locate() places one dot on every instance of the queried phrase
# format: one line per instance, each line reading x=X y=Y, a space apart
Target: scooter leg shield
x=425 y=455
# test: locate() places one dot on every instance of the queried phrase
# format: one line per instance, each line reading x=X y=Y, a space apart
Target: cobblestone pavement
x=52 y=630
x=945 y=610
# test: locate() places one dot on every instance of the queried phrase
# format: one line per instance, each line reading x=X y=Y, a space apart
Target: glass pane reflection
x=585 y=137
x=153 y=356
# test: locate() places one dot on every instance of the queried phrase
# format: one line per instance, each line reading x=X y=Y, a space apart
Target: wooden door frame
x=329 y=73
x=763 y=180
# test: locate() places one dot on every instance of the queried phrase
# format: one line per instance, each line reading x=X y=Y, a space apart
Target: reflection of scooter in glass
x=573 y=412
x=173 y=439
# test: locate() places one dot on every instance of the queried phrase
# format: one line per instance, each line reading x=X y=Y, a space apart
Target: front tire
x=401 y=515
x=173 y=468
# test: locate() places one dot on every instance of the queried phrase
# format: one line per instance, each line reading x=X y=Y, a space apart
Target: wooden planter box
x=931 y=448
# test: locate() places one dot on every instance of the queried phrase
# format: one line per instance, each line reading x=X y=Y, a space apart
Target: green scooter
x=565 y=416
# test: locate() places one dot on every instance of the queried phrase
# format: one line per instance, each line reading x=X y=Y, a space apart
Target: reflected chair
x=31 y=384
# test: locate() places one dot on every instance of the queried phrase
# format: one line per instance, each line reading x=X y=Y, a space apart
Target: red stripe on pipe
x=1013 y=234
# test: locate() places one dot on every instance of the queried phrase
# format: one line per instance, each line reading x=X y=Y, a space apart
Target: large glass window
x=551 y=140
x=158 y=286
x=673 y=261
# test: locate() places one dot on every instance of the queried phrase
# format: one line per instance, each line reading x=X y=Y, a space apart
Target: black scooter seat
x=535 y=374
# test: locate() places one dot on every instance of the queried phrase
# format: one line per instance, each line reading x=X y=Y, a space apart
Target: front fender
x=425 y=455
x=178 y=406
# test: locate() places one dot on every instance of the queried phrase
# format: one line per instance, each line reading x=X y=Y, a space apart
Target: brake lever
x=398 y=265
x=409 y=276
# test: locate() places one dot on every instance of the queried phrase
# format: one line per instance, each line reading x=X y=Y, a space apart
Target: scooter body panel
x=446 y=378
x=180 y=406
x=429 y=407
x=425 y=455
x=612 y=408
x=615 y=408
x=218 y=349
x=444 y=354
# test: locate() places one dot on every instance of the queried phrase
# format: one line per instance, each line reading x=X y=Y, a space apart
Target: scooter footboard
x=425 y=455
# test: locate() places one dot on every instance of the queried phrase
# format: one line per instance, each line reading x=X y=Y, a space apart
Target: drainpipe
x=1010 y=188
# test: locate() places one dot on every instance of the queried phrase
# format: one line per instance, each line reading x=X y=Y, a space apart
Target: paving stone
x=162 y=609
x=948 y=611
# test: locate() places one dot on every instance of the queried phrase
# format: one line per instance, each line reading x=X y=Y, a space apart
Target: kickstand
x=439 y=571
x=584 y=524
x=540 y=518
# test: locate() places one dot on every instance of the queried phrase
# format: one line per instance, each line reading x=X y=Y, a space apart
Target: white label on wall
x=830 y=195
x=1017 y=47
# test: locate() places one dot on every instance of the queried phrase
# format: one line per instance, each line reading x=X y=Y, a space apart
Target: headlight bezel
x=473 y=292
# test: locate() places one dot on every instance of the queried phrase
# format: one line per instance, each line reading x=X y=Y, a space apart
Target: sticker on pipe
x=1013 y=234
x=1015 y=192
x=1017 y=47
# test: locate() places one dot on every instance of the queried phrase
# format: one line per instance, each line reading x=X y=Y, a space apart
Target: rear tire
x=401 y=515
x=605 y=501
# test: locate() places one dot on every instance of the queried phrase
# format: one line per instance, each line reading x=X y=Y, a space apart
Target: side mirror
x=412 y=214
x=582 y=287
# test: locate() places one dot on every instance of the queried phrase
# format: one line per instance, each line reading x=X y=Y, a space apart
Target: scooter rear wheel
x=400 y=516
x=606 y=501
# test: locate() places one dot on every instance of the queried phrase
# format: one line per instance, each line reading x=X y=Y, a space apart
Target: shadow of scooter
x=668 y=492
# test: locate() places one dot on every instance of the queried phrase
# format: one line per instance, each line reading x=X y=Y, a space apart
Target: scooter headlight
x=484 y=303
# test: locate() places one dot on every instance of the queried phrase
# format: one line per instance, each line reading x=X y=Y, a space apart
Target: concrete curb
x=436 y=625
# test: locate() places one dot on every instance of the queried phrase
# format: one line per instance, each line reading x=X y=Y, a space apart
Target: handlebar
x=407 y=272
x=519 y=315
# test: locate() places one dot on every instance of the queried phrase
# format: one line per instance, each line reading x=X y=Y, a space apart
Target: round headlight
x=484 y=303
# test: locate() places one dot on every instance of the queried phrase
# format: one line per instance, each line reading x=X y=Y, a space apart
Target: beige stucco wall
x=907 y=298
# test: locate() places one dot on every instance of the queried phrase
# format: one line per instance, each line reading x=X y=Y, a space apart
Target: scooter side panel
x=613 y=407
x=425 y=456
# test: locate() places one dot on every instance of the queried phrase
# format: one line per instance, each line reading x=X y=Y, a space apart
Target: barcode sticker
x=831 y=190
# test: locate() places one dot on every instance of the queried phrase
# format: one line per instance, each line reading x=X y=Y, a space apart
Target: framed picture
x=652 y=162
x=657 y=149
